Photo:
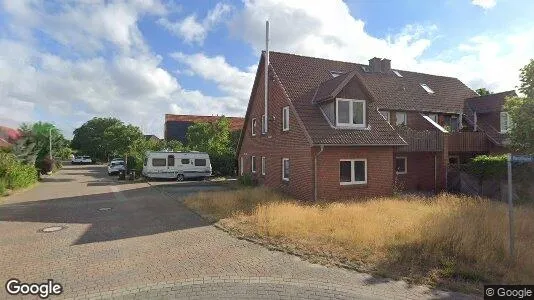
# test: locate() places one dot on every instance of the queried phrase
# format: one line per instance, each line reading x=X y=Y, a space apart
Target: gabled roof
x=330 y=88
x=489 y=103
x=236 y=123
x=305 y=77
x=300 y=74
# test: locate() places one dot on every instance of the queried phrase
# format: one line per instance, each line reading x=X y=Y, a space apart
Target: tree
x=89 y=138
x=34 y=145
x=215 y=139
x=483 y=92
x=521 y=110
x=119 y=138
x=527 y=80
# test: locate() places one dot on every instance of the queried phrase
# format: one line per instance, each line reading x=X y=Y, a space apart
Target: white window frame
x=242 y=166
x=253 y=126
x=405 y=164
x=427 y=88
x=434 y=117
x=283 y=160
x=397 y=73
x=387 y=115
x=351 y=113
x=253 y=164
x=285 y=118
x=352 y=181
x=508 y=122
x=397 y=118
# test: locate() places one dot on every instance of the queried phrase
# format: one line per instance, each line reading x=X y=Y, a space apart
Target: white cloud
x=328 y=30
x=485 y=4
x=228 y=78
x=194 y=31
x=109 y=69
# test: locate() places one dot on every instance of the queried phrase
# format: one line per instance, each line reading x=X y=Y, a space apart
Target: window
x=285 y=169
x=434 y=117
x=386 y=115
x=263 y=124
x=263 y=165
x=253 y=164
x=397 y=73
x=401 y=165
x=170 y=161
x=241 y=166
x=285 y=118
x=427 y=88
x=505 y=122
x=200 y=162
x=185 y=161
x=145 y=161
x=352 y=171
x=350 y=113
x=401 y=118
x=159 y=162
x=253 y=127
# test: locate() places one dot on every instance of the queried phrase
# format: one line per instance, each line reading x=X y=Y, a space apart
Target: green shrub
x=14 y=174
x=488 y=167
x=247 y=180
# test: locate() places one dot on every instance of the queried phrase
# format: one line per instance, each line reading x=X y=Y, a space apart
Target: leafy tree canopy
x=521 y=110
x=483 y=91
x=89 y=138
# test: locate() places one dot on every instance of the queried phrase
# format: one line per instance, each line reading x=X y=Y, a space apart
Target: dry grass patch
x=450 y=241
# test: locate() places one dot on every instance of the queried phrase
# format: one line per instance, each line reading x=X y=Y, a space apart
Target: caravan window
x=170 y=161
x=159 y=162
x=185 y=161
x=200 y=162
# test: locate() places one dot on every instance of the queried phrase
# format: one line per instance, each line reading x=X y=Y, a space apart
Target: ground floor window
x=285 y=169
x=253 y=164
x=352 y=171
x=401 y=165
x=263 y=165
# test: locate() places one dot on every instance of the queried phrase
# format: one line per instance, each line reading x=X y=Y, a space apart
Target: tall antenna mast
x=266 y=75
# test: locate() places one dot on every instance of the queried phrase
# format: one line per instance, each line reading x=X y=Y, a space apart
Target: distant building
x=176 y=125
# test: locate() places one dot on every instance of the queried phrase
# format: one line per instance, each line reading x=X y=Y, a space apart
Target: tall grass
x=448 y=240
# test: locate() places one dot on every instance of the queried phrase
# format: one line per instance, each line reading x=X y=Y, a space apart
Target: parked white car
x=115 y=166
x=177 y=165
x=82 y=160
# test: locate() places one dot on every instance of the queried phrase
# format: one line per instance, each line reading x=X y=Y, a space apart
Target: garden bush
x=14 y=174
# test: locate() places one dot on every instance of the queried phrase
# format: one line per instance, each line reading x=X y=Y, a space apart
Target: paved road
x=146 y=244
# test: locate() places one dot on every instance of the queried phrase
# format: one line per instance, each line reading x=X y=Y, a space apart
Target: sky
x=66 y=62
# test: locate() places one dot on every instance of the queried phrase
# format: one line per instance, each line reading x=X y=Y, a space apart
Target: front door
x=171 y=172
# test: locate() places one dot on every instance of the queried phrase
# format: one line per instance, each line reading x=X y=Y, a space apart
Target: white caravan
x=178 y=165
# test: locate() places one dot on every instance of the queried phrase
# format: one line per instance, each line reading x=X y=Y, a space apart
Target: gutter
x=315 y=173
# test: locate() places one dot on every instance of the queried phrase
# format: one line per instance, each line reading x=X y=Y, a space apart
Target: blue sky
x=68 y=61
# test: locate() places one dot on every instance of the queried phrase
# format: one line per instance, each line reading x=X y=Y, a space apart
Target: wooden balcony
x=433 y=141
x=468 y=142
x=420 y=141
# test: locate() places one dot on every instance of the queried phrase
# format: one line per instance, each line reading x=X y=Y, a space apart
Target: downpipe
x=315 y=173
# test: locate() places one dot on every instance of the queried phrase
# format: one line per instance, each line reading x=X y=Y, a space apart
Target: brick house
x=344 y=130
x=176 y=125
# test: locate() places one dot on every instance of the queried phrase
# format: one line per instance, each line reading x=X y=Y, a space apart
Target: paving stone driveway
x=146 y=244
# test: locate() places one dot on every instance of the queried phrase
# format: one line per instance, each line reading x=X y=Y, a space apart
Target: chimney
x=385 y=65
x=374 y=65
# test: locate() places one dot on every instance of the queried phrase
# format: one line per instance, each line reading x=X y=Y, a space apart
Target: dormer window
x=336 y=73
x=350 y=113
x=427 y=88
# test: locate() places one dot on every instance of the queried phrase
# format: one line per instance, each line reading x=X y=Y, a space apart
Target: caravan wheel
x=180 y=177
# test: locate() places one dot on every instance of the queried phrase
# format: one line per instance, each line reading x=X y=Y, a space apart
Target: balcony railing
x=421 y=141
x=468 y=142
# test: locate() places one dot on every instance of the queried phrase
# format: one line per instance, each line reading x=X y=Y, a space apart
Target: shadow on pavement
x=135 y=212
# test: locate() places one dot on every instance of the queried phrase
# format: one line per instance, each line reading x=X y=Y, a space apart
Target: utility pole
x=510 y=206
x=50 y=141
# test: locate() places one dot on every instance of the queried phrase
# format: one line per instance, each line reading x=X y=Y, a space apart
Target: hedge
x=14 y=174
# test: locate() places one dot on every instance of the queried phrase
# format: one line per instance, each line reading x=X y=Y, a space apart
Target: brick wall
x=420 y=171
x=493 y=119
x=379 y=172
x=278 y=144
